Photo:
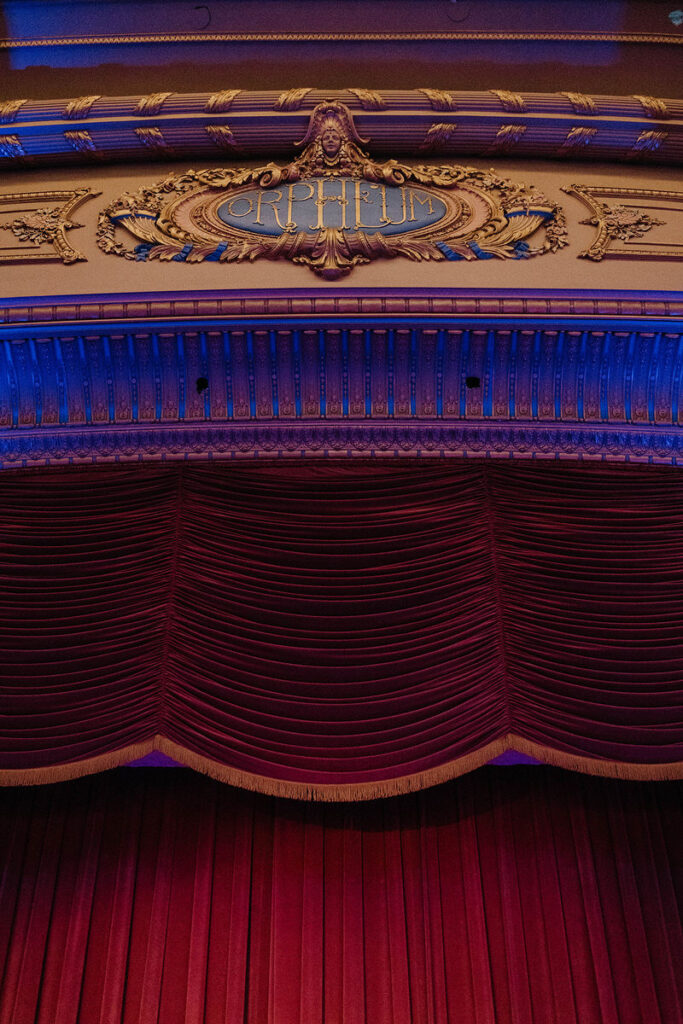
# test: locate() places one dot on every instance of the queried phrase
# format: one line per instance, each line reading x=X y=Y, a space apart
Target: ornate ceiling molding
x=549 y=126
x=151 y=38
x=315 y=379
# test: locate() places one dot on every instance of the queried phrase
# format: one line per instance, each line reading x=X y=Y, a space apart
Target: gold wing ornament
x=333 y=208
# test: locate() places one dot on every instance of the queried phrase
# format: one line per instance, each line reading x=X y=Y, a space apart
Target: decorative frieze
x=288 y=387
x=27 y=217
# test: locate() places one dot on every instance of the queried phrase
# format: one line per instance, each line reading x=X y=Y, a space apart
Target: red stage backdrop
x=510 y=896
x=338 y=629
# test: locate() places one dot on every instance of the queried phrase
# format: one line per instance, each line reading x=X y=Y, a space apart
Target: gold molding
x=79 y=107
x=150 y=106
x=665 y=39
x=510 y=101
x=221 y=101
x=369 y=99
x=625 y=220
x=291 y=99
x=9 y=110
x=483 y=216
x=41 y=225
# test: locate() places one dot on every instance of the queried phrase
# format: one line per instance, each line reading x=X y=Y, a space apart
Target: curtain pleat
x=341 y=631
x=511 y=896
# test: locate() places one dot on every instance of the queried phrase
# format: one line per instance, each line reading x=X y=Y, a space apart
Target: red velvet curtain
x=341 y=629
x=511 y=896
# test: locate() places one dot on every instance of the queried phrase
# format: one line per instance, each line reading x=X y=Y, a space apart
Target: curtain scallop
x=511 y=896
x=341 y=630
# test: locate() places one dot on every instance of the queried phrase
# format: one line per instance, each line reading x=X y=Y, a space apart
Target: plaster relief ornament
x=41 y=226
x=333 y=208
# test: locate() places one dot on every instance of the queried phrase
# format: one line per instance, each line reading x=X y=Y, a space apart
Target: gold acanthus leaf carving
x=507 y=136
x=577 y=138
x=82 y=141
x=152 y=138
x=439 y=136
x=9 y=110
x=150 y=106
x=222 y=136
x=369 y=99
x=221 y=101
x=11 y=147
x=80 y=107
x=581 y=103
x=481 y=216
x=511 y=101
x=439 y=99
x=292 y=99
x=648 y=142
x=654 y=107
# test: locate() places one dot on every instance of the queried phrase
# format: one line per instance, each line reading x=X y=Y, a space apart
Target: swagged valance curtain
x=341 y=630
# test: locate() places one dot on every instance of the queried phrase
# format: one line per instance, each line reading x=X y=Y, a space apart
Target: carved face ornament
x=331 y=140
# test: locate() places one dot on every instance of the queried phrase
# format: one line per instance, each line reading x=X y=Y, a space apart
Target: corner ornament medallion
x=333 y=208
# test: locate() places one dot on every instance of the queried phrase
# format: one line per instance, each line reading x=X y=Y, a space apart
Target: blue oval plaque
x=348 y=203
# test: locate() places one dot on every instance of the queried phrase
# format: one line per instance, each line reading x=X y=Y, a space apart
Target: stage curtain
x=341 y=629
x=510 y=896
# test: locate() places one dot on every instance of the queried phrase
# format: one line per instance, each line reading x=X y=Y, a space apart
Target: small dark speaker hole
x=202 y=384
x=472 y=382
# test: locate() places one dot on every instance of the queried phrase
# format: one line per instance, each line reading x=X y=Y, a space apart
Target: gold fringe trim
x=344 y=791
x=338 y=792
x=76 y=769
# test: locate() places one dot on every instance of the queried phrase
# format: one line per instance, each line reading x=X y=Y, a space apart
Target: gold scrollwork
x=40 y=225
x=618 y=215
x=478 y=215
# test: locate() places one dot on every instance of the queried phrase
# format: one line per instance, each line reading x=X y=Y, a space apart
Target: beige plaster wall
x=107 y=274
